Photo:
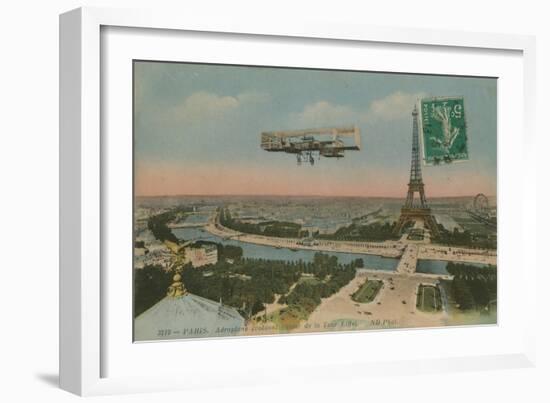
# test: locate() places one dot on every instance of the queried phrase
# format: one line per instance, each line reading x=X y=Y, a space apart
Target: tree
x=462 y=294
x=257 y=307
x=157 y=225
x=150 y=286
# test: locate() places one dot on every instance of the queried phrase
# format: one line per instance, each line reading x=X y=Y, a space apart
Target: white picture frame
x=85 y=344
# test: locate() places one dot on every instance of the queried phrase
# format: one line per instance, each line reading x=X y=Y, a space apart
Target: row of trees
x=362 y=233
x=465 y=239
x=473 y=287
x=229 y=252
x=157 y=225
x=281 y=229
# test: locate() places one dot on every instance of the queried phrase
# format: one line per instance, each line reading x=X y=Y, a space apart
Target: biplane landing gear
x=312 y=144
x=305 y=157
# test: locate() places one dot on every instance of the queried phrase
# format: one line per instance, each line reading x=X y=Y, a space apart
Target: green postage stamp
x=444 y=134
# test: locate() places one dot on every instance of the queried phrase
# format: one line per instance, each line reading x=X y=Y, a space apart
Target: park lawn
x=288 y=318
x=309 y=279
x=428 y=298
x=368 y=291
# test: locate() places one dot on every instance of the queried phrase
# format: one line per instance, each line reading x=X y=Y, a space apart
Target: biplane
x=329 y=142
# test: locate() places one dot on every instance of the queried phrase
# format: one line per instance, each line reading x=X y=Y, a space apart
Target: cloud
x=253 y=97
x=397 y=105
x=205 y=106
x=323 y=113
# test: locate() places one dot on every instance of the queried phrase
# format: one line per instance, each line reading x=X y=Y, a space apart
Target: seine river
x=272 y=253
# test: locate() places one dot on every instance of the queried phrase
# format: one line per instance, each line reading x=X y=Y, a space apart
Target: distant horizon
x=305 y=196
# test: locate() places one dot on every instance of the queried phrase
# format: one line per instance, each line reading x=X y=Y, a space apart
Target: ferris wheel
x=481 y=203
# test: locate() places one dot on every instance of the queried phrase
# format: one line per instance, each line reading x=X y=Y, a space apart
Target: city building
x=201 y=255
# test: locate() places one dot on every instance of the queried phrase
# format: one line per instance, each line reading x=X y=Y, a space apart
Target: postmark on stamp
x=444 y=134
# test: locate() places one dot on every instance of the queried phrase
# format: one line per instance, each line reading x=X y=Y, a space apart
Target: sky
x=197 y=131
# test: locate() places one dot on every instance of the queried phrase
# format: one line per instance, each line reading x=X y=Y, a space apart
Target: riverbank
x=384 y=249
x=390 y=249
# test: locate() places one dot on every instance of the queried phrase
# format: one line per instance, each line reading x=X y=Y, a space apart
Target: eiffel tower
x=416 y=210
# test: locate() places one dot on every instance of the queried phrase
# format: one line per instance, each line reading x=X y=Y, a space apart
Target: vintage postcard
x=274 y=200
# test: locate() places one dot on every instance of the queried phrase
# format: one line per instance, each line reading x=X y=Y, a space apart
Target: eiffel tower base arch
x=416 y=214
